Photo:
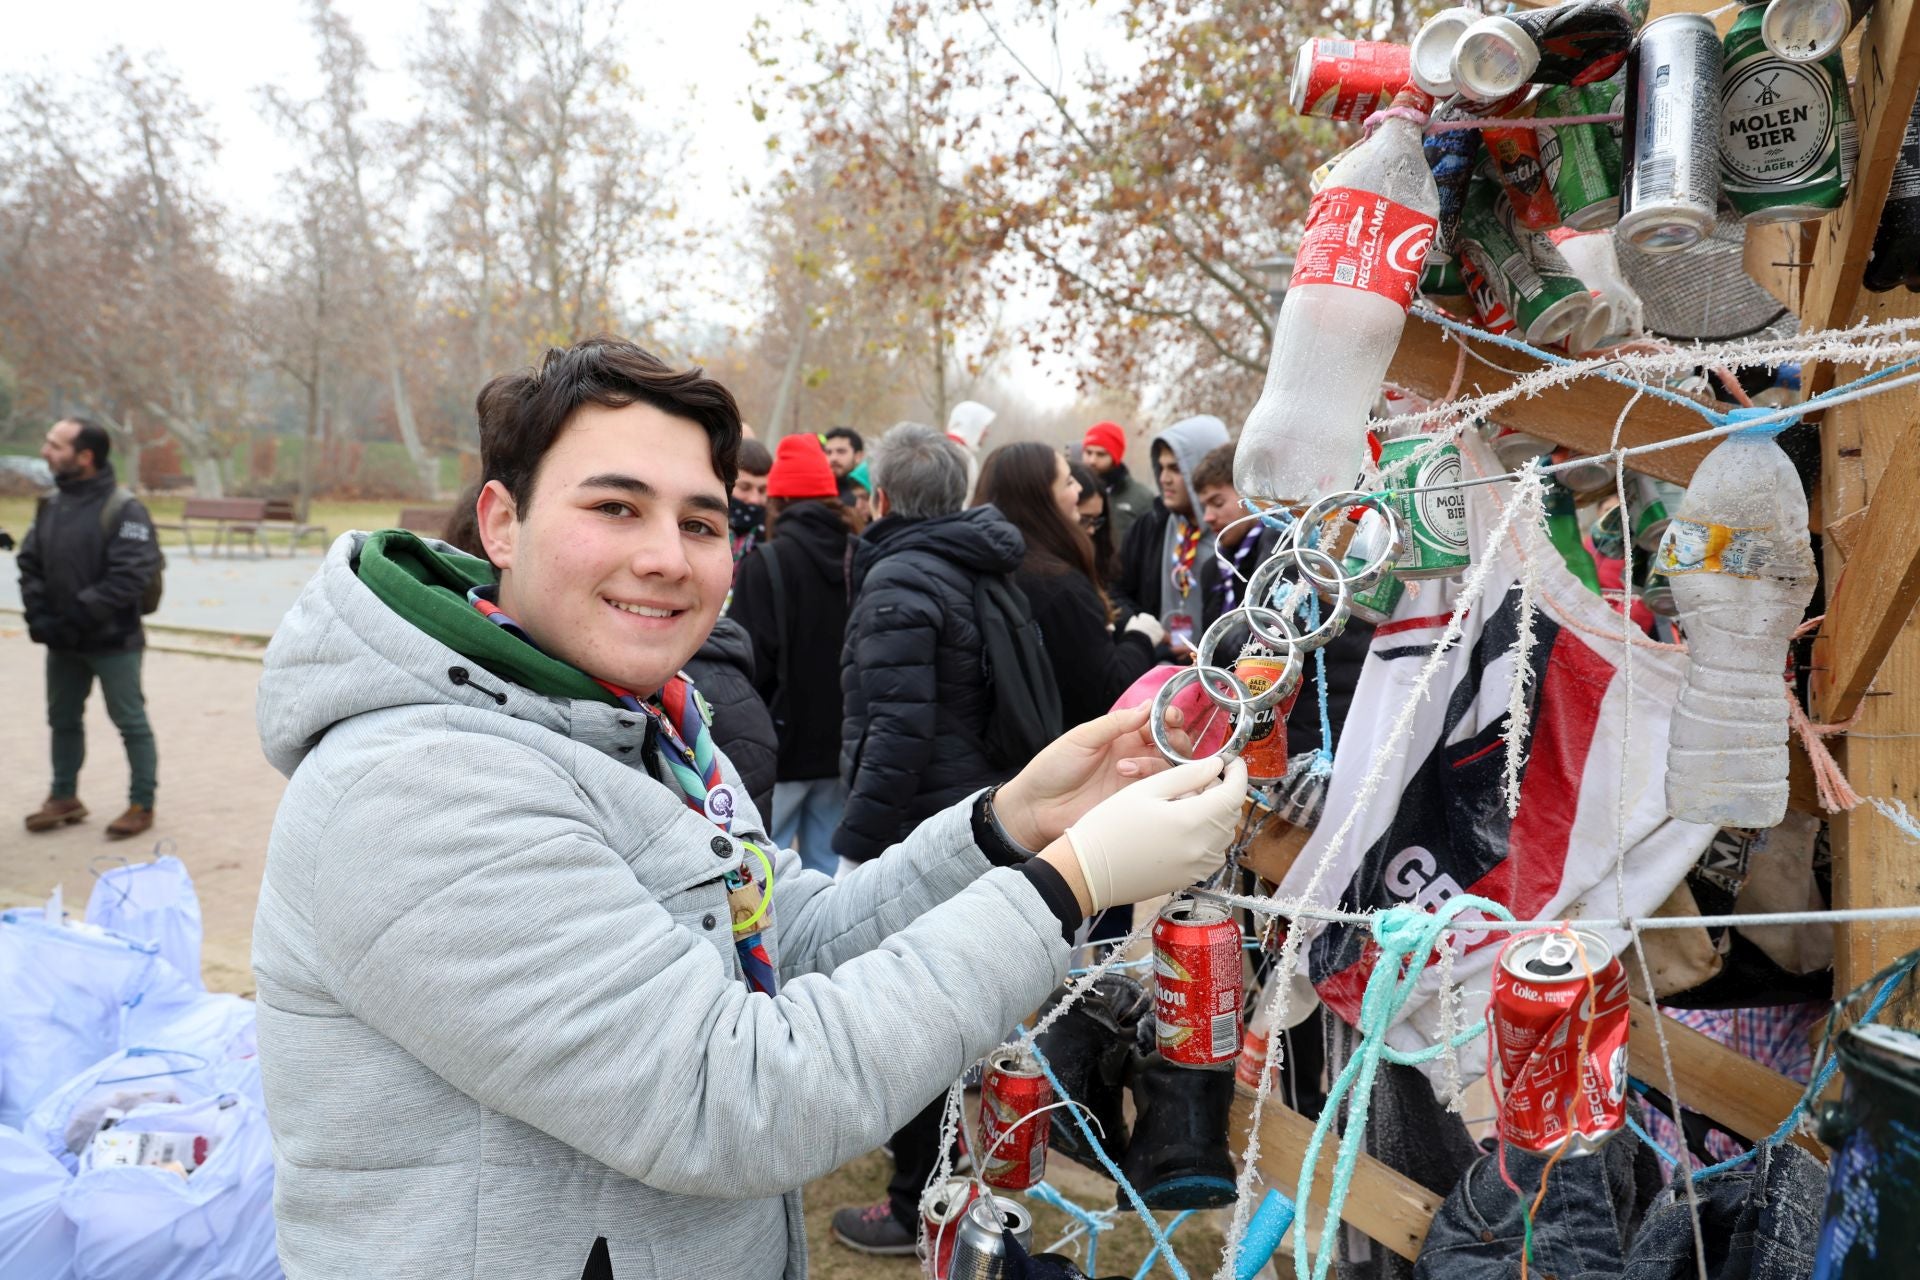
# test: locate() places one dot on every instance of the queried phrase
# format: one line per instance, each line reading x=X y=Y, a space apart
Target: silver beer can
x=1671 y=157
x=979 y=1252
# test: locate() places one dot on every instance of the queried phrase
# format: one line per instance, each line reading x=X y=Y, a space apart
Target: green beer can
x=1377 y=603
x=1584 y=176
x=1530 y=278
x=1608 y=542
x=1435 y=518
x=1441 y=278
x=1653 y=502
x=1787 y=136
x=1657 y=595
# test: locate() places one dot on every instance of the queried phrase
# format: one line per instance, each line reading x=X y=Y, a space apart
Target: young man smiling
x=537 y=995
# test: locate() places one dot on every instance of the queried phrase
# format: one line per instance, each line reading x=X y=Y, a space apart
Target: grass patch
x=337 y=517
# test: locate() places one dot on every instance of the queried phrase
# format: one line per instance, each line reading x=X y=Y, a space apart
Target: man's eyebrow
x=641 y=489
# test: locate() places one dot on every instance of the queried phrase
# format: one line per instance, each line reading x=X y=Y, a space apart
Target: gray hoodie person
x=500 y=1014
x=1148 y=577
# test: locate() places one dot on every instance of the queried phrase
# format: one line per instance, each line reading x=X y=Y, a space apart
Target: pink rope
x=1836 y=793
x=1520 y=122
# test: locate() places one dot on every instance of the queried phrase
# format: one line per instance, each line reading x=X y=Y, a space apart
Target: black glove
x=6 y=540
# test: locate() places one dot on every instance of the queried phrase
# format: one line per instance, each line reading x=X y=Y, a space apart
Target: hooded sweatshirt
x=1148 y=582
x=500 y=1013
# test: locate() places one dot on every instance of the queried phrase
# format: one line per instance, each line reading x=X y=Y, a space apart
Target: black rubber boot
x=1178 y=1157
x=1088 y=1050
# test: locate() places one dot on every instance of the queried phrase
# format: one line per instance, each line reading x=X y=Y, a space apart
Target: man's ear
x=499 y=523
x=879 y=503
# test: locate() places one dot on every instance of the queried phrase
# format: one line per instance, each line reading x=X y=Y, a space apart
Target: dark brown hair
x=521 y=414
x=1018 y=479
x=1214 y=469
x=1106 y=557
x=777 y=506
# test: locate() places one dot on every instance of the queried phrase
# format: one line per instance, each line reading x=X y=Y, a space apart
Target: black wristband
x=999 y=847
x=1057 y=894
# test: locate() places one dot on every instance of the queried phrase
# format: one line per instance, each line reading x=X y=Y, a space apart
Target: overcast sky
x=691 y=57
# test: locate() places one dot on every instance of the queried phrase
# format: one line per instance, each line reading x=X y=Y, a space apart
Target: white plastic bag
x=152 y=902
x=73 y=995
x=36 y=1237
x=141 y=1223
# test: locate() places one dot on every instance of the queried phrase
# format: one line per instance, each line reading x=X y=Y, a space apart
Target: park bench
x=283 y=514
x=229 y=518
x=428 y=520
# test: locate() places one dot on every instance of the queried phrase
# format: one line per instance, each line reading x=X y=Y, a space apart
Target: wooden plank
x=1713 y=1079
x=1388 y=1206
x=1777 y=255
x=1884 y=86
x=1580 y=416
x=1876 y=589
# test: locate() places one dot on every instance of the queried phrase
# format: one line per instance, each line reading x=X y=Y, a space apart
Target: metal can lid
x=1431 y=57
x=1013 y=1060
x=1557 y=957
x=944 y=1202
x=997 y=1213
x=1805 y=30
x=1560 y=319
x=1193 y=911
x=1494 y=57
x=1302 y=76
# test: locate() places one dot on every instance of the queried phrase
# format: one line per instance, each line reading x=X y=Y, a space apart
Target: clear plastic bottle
x=1367 y=235
x=1742 y=572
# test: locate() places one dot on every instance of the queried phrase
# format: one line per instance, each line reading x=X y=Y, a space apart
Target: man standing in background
x=845 y=449
x=85 y=567
x=1161 y=558
x=1105 y=450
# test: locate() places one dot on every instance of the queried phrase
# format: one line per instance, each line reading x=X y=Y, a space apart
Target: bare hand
x=1080 y=769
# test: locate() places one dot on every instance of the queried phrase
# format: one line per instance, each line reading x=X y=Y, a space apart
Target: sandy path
x=215 y=804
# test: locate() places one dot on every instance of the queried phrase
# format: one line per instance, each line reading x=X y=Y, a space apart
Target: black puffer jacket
x=917 y=700
x=723 y=673
x=814 y=549
x=80 y=585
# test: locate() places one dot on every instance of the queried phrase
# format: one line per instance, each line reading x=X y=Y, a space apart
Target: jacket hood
x=819 y=531
x=385 y=623
x=1190 y=439
x=729 y=642
x=979 y=539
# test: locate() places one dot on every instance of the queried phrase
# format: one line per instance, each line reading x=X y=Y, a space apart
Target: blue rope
x=1146 y=1264
x=1407 y=938
x=1093 y=1220
x=1106 y=1161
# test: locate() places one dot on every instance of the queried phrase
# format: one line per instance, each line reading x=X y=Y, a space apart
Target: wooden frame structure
x=1867 y=652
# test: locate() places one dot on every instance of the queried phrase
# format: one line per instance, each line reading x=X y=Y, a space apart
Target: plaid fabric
x=1778 y=1037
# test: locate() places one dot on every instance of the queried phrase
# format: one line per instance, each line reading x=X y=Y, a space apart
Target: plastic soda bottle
x=1355 y=273
x=1742 y=572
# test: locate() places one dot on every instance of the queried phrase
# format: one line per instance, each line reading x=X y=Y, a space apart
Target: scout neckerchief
x=683 y=720
x=1230 y=580
x=1184 y=553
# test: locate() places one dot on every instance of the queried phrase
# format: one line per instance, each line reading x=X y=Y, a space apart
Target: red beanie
x=1108 y=436
x=800 y=470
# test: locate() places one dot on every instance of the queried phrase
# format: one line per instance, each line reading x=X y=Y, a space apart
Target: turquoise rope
x=1407 y=938
x=1093 y=1220
x=1106 y=1161
x=1146 y=1264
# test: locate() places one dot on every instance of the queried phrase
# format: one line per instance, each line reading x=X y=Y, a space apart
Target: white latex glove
x=1147 y=625
x=1159 y=834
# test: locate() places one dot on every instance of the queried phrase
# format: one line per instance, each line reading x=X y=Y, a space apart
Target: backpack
x=109 y=517
x=1026 y=713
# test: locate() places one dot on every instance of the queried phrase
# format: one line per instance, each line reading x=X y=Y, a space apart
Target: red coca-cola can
x=1347 y=79
x=1544 y=1005
x=1487 y=306
x=1013 y=1136
x=1197 y=985
x=940 y=1211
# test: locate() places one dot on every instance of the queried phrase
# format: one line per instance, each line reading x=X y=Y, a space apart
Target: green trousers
x=70 y=677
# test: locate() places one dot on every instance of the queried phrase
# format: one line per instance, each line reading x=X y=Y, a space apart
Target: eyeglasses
x=1092 y=524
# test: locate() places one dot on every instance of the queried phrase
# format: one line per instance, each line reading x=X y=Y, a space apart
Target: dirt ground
x=214 y=810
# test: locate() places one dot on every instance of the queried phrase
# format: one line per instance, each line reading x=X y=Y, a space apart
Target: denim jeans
x=70 y=677
x=1580 y=1233
x=804 y=817
x=1760 y=1221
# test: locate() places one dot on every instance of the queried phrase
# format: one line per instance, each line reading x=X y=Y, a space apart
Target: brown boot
x=56 y=811
x=137 y=818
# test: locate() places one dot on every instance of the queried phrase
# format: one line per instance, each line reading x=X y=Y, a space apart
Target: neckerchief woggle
x=683 y=720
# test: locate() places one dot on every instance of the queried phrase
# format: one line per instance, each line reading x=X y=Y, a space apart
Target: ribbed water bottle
x=1742 y=571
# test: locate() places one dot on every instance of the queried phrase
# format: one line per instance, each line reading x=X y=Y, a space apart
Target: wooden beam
x=1885 y=83
x=1388 y=1206
x=1580 y=416
x=1777 y=255
x=1876 y=589
x=1713 y=1079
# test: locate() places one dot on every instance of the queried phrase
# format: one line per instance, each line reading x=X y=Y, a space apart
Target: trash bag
x=153 y=902
x=151 y=1223
x=216 y=1223
x=73 y=995
x=36 y=1237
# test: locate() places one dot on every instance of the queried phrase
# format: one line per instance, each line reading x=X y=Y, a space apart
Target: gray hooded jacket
x=500 y=1013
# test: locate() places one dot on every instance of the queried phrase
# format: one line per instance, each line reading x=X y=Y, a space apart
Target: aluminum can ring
x=1204 y=658
x=1264 y=584
x=1157 y=718
x=1376 y=568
